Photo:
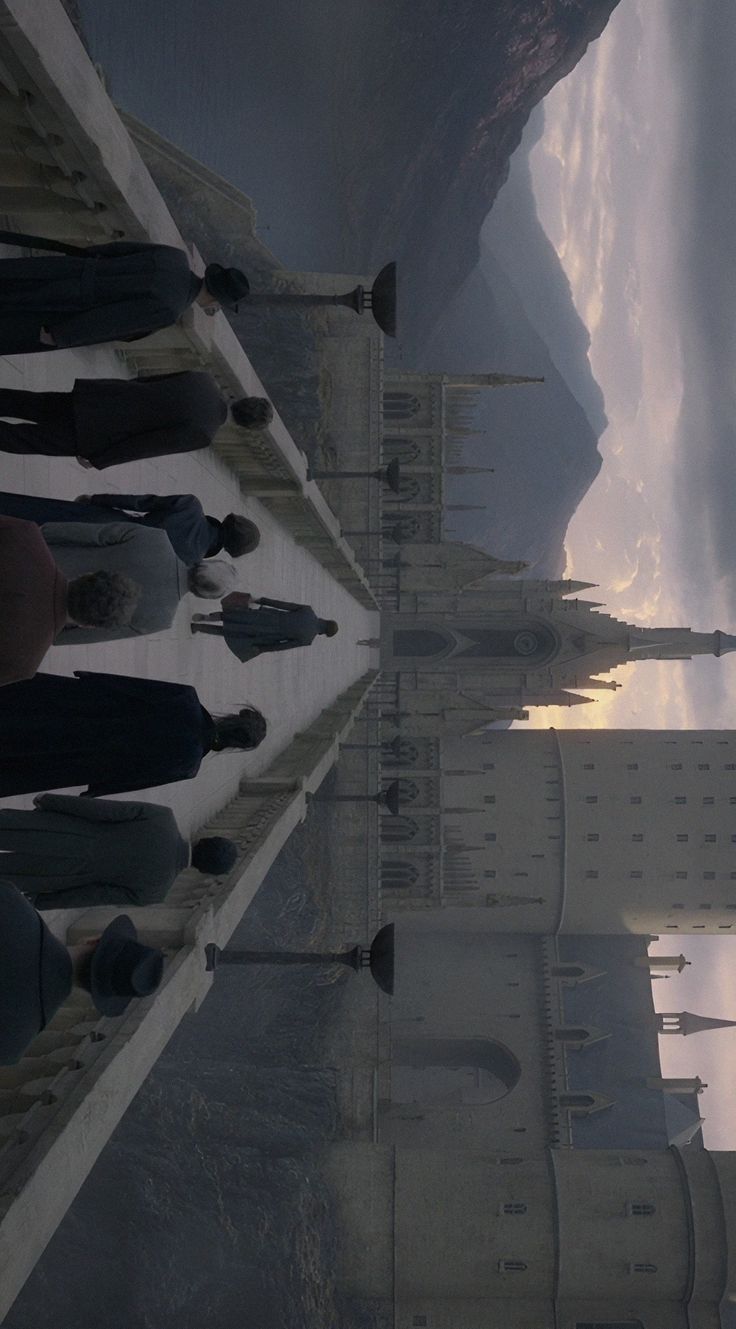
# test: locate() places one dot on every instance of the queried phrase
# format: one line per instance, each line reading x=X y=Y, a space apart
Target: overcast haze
x=635 y=182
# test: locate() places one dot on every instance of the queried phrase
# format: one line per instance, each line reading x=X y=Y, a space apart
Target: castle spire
x=678 y=643
x=684 y=1022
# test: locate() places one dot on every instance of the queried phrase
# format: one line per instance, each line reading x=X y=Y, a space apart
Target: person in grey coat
x=278 y=625
x=101 y=293
x=73 y=852
x=142 y=553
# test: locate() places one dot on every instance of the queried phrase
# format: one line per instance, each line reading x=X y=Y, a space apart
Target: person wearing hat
x=38 y=972
x=75 y=852
x=192 y=534
x=112 y=292
x=110 y=421
x=277 y=625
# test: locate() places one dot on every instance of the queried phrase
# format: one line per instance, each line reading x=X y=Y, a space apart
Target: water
x=207 y=1206
x=247 y=90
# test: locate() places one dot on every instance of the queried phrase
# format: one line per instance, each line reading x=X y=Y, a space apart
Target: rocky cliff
x=440 y=96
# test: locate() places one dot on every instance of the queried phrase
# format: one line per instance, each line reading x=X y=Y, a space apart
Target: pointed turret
x=677 y=643
x=652 y=962
x=684 y=1022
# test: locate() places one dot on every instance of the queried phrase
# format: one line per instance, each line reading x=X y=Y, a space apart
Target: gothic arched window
x=406 y=528
x=409 y=489
x=397 y=830
x=407 y=754
x=406 y=449
x=400 y=405
x=398 y=873
x=445 y=1072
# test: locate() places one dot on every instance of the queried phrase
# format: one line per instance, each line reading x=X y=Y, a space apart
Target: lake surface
x=247 y=90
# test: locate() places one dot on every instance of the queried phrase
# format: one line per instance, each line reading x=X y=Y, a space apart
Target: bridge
x=71 y=171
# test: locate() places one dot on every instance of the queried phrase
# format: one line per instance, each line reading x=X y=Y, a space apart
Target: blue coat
x=192 y=535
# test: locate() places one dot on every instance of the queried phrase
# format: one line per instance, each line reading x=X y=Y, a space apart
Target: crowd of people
x=104 y=567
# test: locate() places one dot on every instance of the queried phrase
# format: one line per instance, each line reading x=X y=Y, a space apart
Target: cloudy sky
x=635 y=181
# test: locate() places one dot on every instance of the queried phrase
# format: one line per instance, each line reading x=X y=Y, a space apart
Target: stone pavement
x=291 y=688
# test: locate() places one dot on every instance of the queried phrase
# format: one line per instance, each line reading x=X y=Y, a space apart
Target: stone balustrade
x=61 y=1102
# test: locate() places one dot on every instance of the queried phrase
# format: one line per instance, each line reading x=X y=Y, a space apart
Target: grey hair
x=102 y=599
x=212 y=578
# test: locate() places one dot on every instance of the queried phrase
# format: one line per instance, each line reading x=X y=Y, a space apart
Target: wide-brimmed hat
x=122 y=968
x=227 y=285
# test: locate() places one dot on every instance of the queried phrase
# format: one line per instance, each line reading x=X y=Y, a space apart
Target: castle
x=531 y=1165
x=522 y=1160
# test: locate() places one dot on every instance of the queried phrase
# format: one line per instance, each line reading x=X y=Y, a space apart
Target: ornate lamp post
x=393 y=533
x=378 y=958
x=387 y=798
x=379 y=300
x=390 y=475
x=394 y=747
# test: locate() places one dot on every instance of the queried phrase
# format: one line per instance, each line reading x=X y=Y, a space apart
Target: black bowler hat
x=227 y=285
x=122 y=968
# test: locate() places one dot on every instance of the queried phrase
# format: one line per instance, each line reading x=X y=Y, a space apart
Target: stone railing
x=61 y=1102
x=70 y=170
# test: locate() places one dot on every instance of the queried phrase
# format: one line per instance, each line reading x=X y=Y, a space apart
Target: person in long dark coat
x=192 y=534
x=72 y=852
x=278 y=625
x=110 y=732
x=110 y=421
x=112 y=292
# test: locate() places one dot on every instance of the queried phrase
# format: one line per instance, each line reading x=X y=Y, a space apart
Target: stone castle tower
x=565 y=1239
x=566 y=831
x=530 y=1165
